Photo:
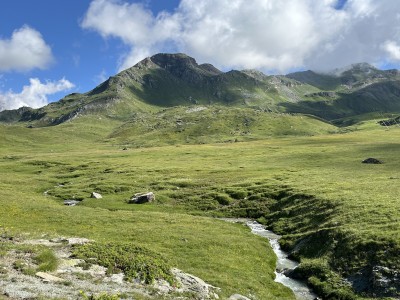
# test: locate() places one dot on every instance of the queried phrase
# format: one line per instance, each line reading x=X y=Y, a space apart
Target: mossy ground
x=41 y=167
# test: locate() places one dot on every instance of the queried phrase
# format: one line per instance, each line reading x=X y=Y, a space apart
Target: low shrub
x=47 y=260
x=223 y=199
x=134 y=261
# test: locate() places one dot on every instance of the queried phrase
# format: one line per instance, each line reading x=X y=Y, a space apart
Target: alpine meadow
x=314 y=157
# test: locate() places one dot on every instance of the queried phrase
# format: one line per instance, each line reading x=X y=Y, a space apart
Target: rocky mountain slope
x=169 y=80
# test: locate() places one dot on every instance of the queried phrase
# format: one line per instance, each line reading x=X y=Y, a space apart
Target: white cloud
x=134 y=25
x=25 y=50
x=393 y=49
x=33 y=95
x=266 y=34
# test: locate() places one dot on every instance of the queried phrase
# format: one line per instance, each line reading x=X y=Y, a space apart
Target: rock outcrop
x=141 y=198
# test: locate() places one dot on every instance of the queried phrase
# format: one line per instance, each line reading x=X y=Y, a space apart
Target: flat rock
x=77 y=241
x=43 y=242
x=48 y=277
x=238 y=297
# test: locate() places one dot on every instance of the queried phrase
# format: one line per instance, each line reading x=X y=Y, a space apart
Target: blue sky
x=79 y=55
x=51 y=48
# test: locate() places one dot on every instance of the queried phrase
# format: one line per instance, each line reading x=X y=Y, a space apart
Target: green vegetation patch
x=134 y=261
x=46 y=260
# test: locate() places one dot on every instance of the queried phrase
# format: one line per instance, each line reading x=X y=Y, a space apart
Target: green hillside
x=212 y=124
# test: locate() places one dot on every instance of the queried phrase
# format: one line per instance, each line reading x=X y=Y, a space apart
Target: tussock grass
x=46 y=260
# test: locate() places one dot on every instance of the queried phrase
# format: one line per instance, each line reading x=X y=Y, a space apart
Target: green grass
x=46 y=261
x=311 y=188
x=134 y=261
x=212 y=124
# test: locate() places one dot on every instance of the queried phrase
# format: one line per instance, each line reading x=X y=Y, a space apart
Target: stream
x=300 y=289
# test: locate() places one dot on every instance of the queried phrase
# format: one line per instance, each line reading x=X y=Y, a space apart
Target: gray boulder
x=191 y=284
x=371 y=160
x=141 y=198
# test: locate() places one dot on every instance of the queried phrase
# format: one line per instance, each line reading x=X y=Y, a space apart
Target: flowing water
x=299 y=288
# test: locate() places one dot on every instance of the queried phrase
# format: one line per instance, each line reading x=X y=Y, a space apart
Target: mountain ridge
x=167 y=80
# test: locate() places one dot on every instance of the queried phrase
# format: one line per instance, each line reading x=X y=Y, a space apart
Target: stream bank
x=299 y=288
x=283 y=264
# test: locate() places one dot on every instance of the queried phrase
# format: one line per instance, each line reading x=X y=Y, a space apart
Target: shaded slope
x=379 y=97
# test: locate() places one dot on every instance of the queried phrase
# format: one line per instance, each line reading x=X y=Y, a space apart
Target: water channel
x=300 y=289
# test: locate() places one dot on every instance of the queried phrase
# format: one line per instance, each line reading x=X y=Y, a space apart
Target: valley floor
x=339 y=217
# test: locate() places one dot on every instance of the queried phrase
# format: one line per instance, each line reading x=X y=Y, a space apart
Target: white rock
x=48 y=277
x=77 y=241
x=238 y=297
x=96 y=195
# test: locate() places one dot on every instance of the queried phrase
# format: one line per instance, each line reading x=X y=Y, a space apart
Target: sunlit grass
x=41 y=167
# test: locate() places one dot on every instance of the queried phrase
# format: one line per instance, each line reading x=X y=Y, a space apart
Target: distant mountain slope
x=346 y=79
x=168 y=80
x=359 y=89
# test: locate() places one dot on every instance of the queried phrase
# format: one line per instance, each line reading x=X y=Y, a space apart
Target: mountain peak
x=166 y=59
x=360 y=68
x=178 y=64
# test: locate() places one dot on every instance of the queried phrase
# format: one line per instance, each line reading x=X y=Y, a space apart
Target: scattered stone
x=96 y=195
x=238 y=297
x=191 y=283
x=371 y=160
x=141 y=198
x=70 y=202
x=48 y=278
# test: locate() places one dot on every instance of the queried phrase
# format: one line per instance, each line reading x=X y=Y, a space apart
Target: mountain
x=163 y=80
x=345 y=93
x=349 y=78
x=171 y=80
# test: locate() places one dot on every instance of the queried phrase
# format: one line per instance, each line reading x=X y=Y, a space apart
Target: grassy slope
x=359 y=200
x=206 y=124
x=35 y=160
